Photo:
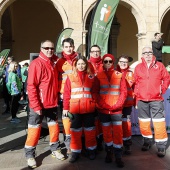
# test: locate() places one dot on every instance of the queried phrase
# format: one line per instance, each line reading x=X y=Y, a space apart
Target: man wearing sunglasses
x=151 y=82
x=110 y=94
x=42 y=87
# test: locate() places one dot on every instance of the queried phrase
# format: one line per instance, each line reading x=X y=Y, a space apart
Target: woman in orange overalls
x=77 y=99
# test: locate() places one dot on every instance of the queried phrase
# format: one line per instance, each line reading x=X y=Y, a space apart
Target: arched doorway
x=25 y=23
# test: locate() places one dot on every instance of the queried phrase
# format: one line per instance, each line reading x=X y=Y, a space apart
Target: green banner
x=100 y=25
x=65 y=33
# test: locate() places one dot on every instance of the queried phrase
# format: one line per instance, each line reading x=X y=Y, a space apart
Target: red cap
x=108 y=55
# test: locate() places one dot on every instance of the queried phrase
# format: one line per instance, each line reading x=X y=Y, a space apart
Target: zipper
x=41 y=94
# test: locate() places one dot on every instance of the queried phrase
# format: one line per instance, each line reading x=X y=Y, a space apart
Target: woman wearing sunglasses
x=123 y=67
x=77 y=99
x=110 y=94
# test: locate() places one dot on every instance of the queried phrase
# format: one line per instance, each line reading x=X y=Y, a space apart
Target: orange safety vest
x=130 y=94
x=110 y=91
x=68 y=69
x=81 y=99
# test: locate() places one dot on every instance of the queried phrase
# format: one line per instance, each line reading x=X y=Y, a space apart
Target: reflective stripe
x=115 y=86
x=117 y=123
x=67 y=72
x=161 y=140
x=80 y=89
x=109 y=143
x=127 y=138
x=91 y=147
x=76 y=89
x=76 y=150
x=33 y=126
x=145 y=120
x=29 y=147
x=106 y=124
x=52 y=143
x=112 y=93
x=89 y=128
x=159 y=120
x=52 y=123
x=76 y=130
x=117 y=146
x=78 y=96
x=149 y=136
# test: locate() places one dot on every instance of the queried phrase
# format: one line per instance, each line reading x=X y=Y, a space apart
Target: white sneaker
x=31 y=163
x=57 y=154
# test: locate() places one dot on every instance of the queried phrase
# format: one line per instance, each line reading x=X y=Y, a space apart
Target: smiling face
x=123 y=63
x=147 y=54
x=95 y=52
x=81 y=65
x=47 y=48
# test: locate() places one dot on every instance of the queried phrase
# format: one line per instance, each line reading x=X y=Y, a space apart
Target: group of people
x=13 y=87
x=96 y=101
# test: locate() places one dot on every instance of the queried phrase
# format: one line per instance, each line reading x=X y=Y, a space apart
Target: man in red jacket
x=151 y=82
x=42 y=87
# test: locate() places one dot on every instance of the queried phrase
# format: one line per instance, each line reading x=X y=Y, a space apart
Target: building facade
x=25 y=23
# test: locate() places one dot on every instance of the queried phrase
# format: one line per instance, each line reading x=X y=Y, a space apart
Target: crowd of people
x=96 y=100
x=13 y=87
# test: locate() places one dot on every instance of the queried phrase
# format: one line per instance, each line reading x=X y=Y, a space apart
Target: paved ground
x=13 y=136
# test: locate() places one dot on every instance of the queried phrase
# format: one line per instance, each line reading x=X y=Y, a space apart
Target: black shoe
x=161 y=152
x=146 y=147
x=127 y=150
x=119 y=163
x=109 y=155
x=74 y=157
x=92 y=154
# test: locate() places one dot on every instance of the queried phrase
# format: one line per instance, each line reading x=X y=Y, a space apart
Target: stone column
x=84 y=34
x=141 y=37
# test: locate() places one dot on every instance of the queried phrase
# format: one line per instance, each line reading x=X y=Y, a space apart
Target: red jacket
x=152 y=82
x=42 y=83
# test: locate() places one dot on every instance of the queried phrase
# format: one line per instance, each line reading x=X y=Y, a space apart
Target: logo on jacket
x=155 y=66
x=90 y=77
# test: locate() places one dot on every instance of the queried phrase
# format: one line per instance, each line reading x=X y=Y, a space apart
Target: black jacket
x=157 y=49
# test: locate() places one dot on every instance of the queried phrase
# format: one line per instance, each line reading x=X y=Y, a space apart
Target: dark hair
x=130 y=59
x=42 y=42
x=69 y=40
x=95 y=46
x=12 y=57
x=156 y=34
x=86 y=62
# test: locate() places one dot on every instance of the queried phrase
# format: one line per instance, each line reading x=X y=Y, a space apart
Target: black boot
x=100 y=143
x=147 y=144
x=74 y=157
x=109 y=155
x=118 y=156
x=127 y=146
x=67 y=144
x=119 y=162
x=91 y=154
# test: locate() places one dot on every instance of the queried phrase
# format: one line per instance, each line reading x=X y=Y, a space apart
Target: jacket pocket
x=74 y=106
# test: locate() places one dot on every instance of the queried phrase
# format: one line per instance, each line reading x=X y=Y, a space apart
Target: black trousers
x=14 y=104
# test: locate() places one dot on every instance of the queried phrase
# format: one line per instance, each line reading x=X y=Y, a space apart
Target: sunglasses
x=47 y=48
x=108 y=61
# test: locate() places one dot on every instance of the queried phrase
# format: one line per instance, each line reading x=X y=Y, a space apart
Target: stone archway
x=138 y=15
x=28 y=45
